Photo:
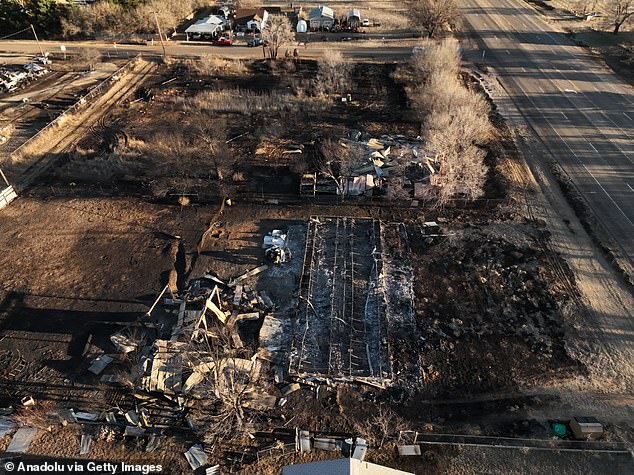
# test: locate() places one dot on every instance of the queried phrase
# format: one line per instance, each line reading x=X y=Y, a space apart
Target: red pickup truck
x=223 y=41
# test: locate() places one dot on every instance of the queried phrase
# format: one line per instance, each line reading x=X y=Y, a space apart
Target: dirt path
x=55 y=141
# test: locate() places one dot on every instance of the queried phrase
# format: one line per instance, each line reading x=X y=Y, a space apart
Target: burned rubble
x=13 y=78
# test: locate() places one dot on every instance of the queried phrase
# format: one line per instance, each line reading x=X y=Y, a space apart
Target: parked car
x=223 y=41
x=365 y=22
x=255 y=42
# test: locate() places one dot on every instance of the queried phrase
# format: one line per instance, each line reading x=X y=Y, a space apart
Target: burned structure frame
x=340 y=327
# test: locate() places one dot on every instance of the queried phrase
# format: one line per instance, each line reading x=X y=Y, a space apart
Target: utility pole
x=37 y=39
x=160 y=35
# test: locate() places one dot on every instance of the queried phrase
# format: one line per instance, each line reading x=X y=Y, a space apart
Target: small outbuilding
x=341 y=467
x=585 y=428
x=354 y=18
x=251 y=20
x=321 y=18
x=209 y=26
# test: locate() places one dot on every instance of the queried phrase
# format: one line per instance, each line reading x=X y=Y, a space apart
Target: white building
x=341 y=467
x=321 y=17
x=210 y=26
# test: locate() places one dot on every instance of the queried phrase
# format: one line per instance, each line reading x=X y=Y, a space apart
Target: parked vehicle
x=223 y=41
x=366 y=22
x=255 y=42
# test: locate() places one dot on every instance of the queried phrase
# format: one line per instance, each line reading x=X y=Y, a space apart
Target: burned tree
x=337 y=161
x=88 y=57
x=276 y=33
x=213 y=146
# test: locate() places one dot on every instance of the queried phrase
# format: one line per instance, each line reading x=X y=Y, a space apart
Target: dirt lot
x=29 y=109
x=487 y=318
x=126 y=150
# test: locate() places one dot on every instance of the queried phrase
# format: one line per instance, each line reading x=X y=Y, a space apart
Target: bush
x=334 y=74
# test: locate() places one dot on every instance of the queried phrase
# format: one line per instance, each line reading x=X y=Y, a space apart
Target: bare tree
x=584 y=7
x=437 y=57
x=433 y=16
x=334 y=74
x=276 y=33
x=462 y=172
x=621 y=11
x=337 y=162
x=88 y=57
x=212 y=136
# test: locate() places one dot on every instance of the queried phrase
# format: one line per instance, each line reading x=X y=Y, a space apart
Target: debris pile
x=12 y=78
x=275 y=249
x=276 y=149
x=498 y=314
x=392 y=165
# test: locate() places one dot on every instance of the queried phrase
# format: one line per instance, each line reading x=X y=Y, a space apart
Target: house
x=250 y=19
x=207 y=27
x=321 y=18
x=354 y=18
x=341 y=467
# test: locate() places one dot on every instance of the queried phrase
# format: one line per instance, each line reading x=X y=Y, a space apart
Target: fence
x=409 y=439
x=83 y=100
x=302 y=200
x=7 y=196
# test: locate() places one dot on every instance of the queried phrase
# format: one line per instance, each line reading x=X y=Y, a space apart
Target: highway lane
x=582 y=111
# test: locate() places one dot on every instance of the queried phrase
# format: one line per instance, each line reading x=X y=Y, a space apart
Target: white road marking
x=564 y=115
x=593 y=147
x=541 y=89
x=571 y=90
x=631 y=189
x=627 y=116
x=589 y=173
x=508 y=52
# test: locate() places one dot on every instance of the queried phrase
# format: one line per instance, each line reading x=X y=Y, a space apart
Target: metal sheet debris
x=123 y=344
x=22 y=439
x=85 y=416
x=246 y=275
x=408 y=450
x=166 y=367
x=153 y=443
x=100 y=363
x=84 y=446
x=196 y=457
x=6 y=427
x=132 y=431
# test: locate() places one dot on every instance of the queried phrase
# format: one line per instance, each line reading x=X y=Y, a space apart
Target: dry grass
x=6 y=132
x=248 y=102
x=213 y=66
x=48 y=137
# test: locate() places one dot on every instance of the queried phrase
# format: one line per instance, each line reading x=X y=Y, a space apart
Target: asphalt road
x=581 y=110
x=373 y=50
